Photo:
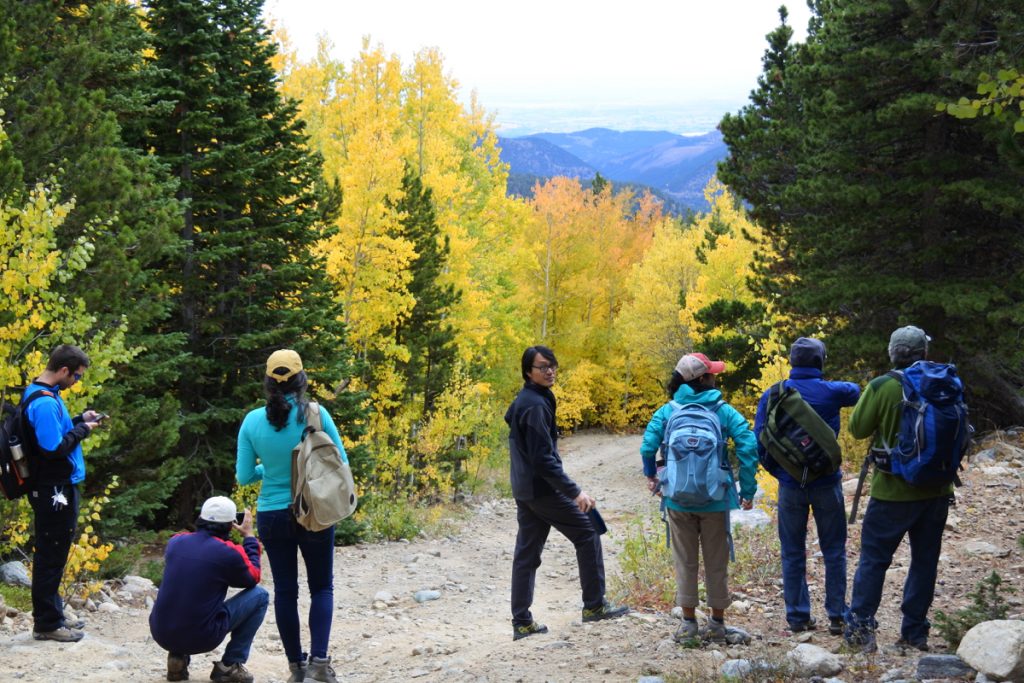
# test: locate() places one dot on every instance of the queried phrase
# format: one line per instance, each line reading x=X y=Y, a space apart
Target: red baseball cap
x=693 y=365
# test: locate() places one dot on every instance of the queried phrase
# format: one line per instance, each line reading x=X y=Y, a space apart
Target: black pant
x=536 y=517
x=55 y=524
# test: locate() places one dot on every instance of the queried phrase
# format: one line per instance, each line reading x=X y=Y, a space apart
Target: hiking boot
x=607 y=610
x=715 y=630
x=836 y=625
x=177 y=667
x=861 y=639
x=298 y=672
x=687 y=631
x=528 y=630
x=76 y=625
x=905 y=644
x=319 y=669
x=231 y=673
x=61 y=635
x=809 y=625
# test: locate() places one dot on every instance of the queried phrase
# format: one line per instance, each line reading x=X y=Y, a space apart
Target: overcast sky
x=561 y=52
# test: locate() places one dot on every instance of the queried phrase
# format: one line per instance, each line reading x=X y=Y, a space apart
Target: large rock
x=810 y=660
x=996 y=649
x=942 y=666
x=15 y=574
x=139 y=585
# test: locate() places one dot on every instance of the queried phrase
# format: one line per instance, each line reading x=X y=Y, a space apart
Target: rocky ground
x=381 y=632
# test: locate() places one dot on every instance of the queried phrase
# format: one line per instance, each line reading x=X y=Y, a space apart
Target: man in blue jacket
x=546 y=497
x=190 y=615
x=823 y=496
x=57 y=468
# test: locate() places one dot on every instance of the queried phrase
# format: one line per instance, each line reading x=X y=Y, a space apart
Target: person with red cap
x=705 y=527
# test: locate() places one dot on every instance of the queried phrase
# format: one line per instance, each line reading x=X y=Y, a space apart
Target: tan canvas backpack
x=323 y=492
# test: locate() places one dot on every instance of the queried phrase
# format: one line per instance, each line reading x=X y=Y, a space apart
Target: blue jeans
x=245 y=613
x=284 y=539
x=826 y=502
x=885 y=525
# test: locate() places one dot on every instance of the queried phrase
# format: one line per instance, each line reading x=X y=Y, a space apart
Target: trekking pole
x=860 y=486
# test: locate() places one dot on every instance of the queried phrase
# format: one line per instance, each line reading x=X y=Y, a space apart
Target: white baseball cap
x=218 y=509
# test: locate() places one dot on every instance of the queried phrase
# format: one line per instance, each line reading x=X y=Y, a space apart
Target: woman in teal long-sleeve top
x=265 y=443
x=703 y=529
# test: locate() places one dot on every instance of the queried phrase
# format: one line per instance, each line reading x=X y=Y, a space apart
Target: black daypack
x=17 y=447
x=797 y=438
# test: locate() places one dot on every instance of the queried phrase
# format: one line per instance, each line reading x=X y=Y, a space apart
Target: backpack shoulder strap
x=313 y=416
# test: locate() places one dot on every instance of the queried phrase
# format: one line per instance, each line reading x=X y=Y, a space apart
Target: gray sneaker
x=298 y=672
x=319 y=669
x=715 y=631
x=61 y=635
x=687 y=631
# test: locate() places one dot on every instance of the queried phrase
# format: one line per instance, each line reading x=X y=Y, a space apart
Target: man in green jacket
x=896 y=509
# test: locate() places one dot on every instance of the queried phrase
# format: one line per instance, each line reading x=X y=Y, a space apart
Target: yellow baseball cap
x=283 y=365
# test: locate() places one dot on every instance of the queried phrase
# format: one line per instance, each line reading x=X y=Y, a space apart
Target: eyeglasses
x=77 y=376
x=545 y=368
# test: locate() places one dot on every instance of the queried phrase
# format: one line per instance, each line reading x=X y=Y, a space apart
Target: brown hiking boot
x=177 y=667
x=230 y=673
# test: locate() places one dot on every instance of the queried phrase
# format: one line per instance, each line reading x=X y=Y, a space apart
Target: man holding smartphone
x=57 y=468
x=190 y=615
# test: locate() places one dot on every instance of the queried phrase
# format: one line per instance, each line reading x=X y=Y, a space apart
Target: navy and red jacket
x=189 y=616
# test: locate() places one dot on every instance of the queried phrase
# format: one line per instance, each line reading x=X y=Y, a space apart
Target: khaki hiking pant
x=706 y=530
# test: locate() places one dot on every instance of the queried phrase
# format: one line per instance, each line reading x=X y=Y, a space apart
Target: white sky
x=528 y=52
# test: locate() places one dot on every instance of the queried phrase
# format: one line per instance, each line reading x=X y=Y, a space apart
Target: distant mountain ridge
x=675 y=166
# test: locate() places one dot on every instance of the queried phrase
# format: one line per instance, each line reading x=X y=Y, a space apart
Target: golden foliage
x=88 y=552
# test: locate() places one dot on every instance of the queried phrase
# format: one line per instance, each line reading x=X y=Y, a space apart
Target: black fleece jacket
x=536 y=467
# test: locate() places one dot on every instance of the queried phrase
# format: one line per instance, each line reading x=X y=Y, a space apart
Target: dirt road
x=381 y=633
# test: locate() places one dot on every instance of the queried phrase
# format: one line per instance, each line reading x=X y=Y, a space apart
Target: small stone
x=108 y=607
x=426 y=595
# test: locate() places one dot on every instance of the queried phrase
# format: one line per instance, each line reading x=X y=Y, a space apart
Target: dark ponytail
x=278 y=406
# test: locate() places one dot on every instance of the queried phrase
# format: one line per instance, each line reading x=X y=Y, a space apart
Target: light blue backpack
x=696 y=470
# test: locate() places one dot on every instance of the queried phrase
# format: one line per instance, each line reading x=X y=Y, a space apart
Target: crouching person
x=191 y=615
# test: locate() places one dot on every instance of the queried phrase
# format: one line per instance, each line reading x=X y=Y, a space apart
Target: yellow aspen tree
x=454 y=151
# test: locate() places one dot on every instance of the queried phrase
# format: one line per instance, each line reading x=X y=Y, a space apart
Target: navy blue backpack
x=934 y=433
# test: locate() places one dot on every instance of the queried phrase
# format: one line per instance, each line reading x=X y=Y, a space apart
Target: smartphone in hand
x=239 y=518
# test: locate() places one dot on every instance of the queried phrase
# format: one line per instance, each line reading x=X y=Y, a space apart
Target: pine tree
x=882 y=211
x=249 y=281
x=75 y=86
x=426 y=333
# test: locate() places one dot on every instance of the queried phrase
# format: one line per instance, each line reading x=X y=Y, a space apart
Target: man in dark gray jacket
x=546 y=497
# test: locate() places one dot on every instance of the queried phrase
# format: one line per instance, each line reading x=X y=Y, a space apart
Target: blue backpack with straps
x=934 y=432
x=696 y=470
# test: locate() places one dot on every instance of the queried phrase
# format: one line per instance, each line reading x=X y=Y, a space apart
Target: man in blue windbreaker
x=823 y=496
x=57 y=468
x=190 y=615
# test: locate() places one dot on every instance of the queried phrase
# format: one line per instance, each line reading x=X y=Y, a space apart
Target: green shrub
x=152 y=570
x=391 y=520
x=758 y=557
x=122 y=561
x=987 y=603
x=18 y=597
x=350 y=531
x=646 y=576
